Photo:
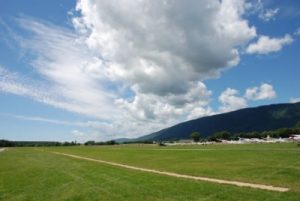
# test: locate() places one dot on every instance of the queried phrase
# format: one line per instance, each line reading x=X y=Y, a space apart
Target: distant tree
x=195 y=136
x=224 y=135
x=90 y=143
x=57 y=144
x=6 y=143
x=255 y=134
x=67 y=144
x=212 y=138
x=274 y=134
x=265 y=134
x=160 y=143
x=297 y=126
x=285 y=132
x=111 y=142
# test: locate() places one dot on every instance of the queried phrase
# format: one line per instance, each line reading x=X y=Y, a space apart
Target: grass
x=30 y=174
x=260 y=163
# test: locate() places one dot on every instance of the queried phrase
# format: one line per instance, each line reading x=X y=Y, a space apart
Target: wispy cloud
x=297 y=32
x=44 y=92
x=258 y=8
x=46 y=120
x=294 y=100
x=69 y=74
x=266 y=45
x=268 y=14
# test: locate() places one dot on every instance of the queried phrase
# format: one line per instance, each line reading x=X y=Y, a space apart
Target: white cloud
x=167 y=109
x=268 y=14
x=16 y=84
x=264 y=91
x=82 y=137
x=297 y=32
x=43 y=119
x=294 y=100
x=166 y=55
x=47 y=93
x=198 y=112
x=134 y=66
x=149 y=45
x=266 y=45
x=231 y=100
x=83 y=124
x=257 y=7
x=77 y=133
x=70 y=75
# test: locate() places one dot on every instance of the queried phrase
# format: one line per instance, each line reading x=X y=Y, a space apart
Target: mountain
x=261 y=118
x=122 y=140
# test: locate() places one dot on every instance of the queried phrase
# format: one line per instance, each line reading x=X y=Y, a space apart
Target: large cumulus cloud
x=160 y=47
x=162 y=51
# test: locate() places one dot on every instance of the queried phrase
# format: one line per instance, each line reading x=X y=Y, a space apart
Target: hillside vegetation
x=263 y=118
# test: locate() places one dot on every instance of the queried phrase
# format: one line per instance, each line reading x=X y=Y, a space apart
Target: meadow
x=38 y=174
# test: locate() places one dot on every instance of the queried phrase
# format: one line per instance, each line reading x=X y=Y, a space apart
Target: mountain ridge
x=260 y=118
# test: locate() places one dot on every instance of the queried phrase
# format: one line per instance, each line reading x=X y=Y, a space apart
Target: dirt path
x=2 y=149
x=219 y=181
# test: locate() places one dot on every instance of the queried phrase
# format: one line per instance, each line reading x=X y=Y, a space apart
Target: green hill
x=261 y=118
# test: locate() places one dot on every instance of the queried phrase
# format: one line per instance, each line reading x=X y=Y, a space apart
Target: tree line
x=225 y=135
x=91 y=142
x=7 y=143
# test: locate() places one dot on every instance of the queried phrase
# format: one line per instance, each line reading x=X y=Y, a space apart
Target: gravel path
x=219 y=181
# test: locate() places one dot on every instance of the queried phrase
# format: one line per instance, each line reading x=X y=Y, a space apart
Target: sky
x=106 y=69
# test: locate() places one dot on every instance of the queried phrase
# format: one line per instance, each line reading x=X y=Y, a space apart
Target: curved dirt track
x=219 y=181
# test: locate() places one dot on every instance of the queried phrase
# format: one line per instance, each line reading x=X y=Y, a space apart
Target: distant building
x=185 y=141
x=295 y=137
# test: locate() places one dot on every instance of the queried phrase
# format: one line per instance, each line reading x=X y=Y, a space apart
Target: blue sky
x=98 y=70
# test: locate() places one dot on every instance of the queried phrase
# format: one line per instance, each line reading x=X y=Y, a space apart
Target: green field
x=37 y=174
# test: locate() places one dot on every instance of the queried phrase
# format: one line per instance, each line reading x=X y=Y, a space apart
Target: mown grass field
x=37 y=174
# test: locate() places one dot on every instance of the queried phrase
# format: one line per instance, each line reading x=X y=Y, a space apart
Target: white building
x=295 y=137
